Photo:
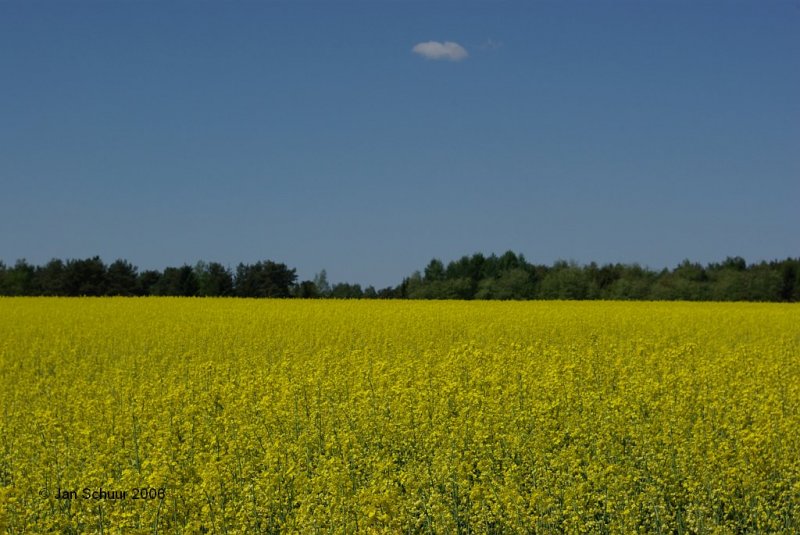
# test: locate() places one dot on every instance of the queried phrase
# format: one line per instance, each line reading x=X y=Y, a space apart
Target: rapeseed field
x=167 y=415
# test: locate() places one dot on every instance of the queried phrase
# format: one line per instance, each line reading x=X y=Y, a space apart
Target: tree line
x=508 y=276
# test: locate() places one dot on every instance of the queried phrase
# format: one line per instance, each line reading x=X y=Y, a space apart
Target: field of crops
x=260 y=416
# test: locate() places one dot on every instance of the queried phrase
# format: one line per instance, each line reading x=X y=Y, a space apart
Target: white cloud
x=435 y=50
x=491 y=44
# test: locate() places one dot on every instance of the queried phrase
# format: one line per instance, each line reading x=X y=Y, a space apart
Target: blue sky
x=313 y=134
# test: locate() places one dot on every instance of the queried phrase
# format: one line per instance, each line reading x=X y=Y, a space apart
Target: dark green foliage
x=467 y=268
x=147 y=282
x=306 y=290
x=19 y=280
x=213 y=279
x=514 y=283
x=84 y=277
x=264 y=279
x=370 y=293
x=566 y=281
x=51 y=278
x=121 y=279
x=764 y=283
x=790 y=279
x=180 y=281
x=604 y=277
x=441 y=289
x=435 y=271
x=343 y=290
x=321 y=284
x=389 y=292
x=634 y=282
x=736 y=263
x=508 y=276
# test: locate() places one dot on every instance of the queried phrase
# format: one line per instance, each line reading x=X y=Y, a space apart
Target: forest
x=505 y=277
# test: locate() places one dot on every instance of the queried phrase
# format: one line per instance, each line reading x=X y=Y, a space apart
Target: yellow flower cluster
x=166 y=415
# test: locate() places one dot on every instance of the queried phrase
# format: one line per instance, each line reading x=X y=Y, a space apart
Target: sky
x=366 y=138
